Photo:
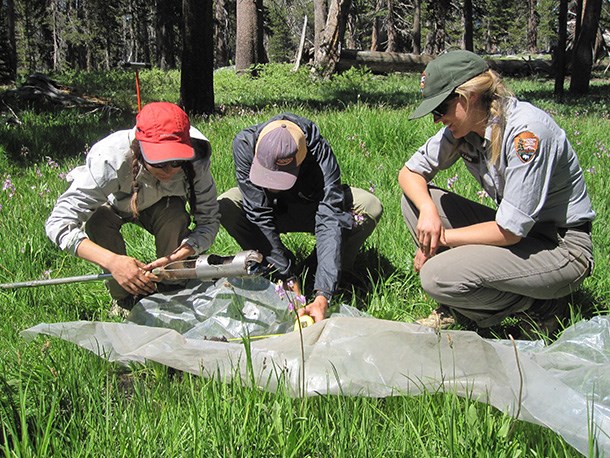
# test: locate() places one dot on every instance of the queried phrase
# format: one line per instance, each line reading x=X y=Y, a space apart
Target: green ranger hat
x=443 y=75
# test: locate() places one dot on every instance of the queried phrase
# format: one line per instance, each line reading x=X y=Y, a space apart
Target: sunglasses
x=442 y=109
x=163 y=165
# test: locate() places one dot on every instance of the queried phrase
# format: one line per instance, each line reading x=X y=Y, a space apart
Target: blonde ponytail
x=493 y=95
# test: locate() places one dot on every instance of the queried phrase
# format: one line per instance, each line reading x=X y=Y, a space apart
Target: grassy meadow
x=57 y=399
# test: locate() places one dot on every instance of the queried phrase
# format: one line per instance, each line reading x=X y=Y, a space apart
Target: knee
x=103 y=220
x=374 y=209
x=368 y=204
x=438 y=281
x=230 y=206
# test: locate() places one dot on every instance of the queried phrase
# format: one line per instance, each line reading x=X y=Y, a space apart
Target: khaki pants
x=167 y=220
x=299 y=218
x=488 y=283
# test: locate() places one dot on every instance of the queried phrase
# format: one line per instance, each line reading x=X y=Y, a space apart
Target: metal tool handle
x=55 y=281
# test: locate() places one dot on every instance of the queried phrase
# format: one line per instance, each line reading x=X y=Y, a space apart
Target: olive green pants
x=167 y=220
x=249 y=237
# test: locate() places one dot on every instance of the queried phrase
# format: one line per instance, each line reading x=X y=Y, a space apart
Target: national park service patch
x=526 y=146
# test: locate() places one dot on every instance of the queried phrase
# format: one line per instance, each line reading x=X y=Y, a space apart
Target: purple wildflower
x=372 y=187
x=51 y=163
x=279 y=289
x=482 y=195
x=358 y=219
x=451 y=181
x=9 y=186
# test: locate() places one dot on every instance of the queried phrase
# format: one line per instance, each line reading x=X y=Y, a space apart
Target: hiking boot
x=543 y=318
x=440 y=318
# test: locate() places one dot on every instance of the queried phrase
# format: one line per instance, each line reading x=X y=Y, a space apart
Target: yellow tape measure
x=305 y=320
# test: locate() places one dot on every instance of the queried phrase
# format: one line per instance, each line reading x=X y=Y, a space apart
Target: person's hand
x=419 y=260
x=430 y=232
x=316 y=309
x=132 y=276
x=180 y=253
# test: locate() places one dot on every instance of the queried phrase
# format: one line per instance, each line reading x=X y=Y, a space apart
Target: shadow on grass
x=59 y=134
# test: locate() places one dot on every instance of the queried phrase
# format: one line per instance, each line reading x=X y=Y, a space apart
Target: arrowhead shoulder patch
x=526 y=146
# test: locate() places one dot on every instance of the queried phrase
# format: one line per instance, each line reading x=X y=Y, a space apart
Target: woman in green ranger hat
x=527 y=255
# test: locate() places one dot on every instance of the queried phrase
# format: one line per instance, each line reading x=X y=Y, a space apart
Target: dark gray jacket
x=318 y=183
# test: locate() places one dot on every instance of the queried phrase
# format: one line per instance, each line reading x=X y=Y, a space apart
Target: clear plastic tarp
x=564 y=386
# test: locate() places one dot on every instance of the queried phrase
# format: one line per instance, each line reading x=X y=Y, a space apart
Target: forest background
x=56 y=399
x=200 y=36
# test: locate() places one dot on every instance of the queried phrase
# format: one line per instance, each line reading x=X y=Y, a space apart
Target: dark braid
x=135 y=169
x=189 y=171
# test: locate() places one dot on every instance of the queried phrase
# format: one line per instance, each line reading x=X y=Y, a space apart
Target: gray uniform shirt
x=106 y=178
x=537 y=178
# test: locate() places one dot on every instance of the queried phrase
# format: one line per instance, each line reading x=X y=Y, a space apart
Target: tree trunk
x=578 y=18
x=165 y=20
x=582 y=57
x=8 y=55
x=560 y=50
x=197 y=75
x=532 y=27
x=330 y=47
x=416 y=30
x=320 y=12
x=391 y=28
x=221 y=35
x=249 y=41
x=468 y=26
x=376 y=27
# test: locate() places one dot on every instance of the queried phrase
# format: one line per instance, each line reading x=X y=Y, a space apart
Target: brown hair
x=490 y=87
x=137 y=164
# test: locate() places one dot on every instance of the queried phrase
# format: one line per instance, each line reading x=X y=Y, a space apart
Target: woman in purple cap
x=527 y=255
x=145 y=176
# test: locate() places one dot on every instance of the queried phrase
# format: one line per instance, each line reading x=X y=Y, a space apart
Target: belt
x=584 y=227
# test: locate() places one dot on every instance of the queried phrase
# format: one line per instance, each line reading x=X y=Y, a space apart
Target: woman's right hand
x=430 y=231
x=130 y=274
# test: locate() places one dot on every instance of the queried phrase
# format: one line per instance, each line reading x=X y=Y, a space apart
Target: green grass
x=59 y=400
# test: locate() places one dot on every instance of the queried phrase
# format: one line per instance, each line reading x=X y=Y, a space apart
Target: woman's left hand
x=419 y=260
x=180 y=253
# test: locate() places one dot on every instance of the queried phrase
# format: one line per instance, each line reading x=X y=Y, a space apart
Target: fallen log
x=42 y=92
x=387 y=62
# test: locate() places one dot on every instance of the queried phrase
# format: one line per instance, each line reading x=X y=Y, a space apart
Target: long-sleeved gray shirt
x=107 y=177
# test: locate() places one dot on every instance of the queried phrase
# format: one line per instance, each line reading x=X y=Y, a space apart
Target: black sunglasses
x=442 y=109
x=172 y=164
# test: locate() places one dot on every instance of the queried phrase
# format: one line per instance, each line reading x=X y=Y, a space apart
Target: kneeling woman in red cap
x=529 y=253
x=144 y=175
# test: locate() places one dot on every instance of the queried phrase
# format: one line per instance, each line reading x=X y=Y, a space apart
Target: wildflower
x=358 y=218
x=51 y=163
x=63 y=175
x=372 y=187
x=38 y=172
x=592 y=170
x=482 y=195
x=451 y=181
x=9 y=186
x=279 y=289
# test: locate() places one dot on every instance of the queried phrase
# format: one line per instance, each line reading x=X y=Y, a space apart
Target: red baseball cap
x=162 y=128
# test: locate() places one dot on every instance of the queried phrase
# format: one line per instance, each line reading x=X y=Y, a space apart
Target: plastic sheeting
x=564 y=386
